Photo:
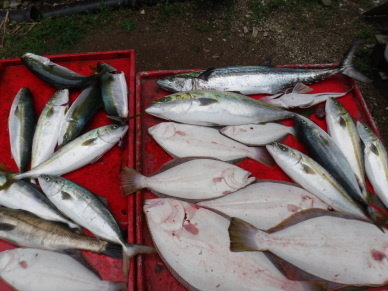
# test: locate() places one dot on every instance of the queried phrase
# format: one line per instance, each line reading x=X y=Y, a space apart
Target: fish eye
x=114 y=126
x=47 y=179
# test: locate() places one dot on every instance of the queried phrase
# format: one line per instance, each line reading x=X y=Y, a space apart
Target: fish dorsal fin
x=301 y=88
x=206 y=74
x=308 y=214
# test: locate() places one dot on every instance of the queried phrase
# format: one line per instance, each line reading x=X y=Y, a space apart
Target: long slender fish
x=21 y=125
x=80 y=113
x=23 y=195
x=183 y=140
x=376 y=161
x=258 y=79
x=258 y=134
x=87 y=210
x=189 y=179
x=79 y=152
x=46 y=133
x=194 y=244
x=337 y=249
x=314 y=178
x=56 y=75
x=39 y=270
x=214 y=108
x=342 y=129
x=266 y=203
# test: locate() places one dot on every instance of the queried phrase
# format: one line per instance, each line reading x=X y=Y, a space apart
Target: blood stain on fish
x=191 y=228
x=377 y=255
x=292 y=208
x=23 y=264
x=218 y=179
x=180 y=133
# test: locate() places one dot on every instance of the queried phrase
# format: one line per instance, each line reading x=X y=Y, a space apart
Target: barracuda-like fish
x=298 y=98
x=79 y=152
x=114 y=93
x=79 y=114
x=194 y=243
x=21 y=125
x=258 y=79
x=23 y=195
x=336 y=249
x=190 y=179
x=213 y=108
x=182 y=140
x=266 y=203
x=258 y=134
x=39 y=270
x=46 y=132
x=56 y=75
x=87 y=210
x=376 y=161
x=314 y=178
x=342 y=129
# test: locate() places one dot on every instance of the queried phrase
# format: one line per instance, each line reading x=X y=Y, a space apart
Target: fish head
x=237 y=130
x=51 y=185
x=366 y=134
x=332 y=105
x=9 y=260
x=35 y=59
x=112 y=133
x=175 y=83
x=162 y=130
x=281 y=152
x=178 y=103
x=236 y=178
x=61 y=97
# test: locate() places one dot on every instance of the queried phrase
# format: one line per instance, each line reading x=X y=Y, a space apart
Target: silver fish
x=114 y=93
x=39 y=270
x=21 y=124
x=298 y=98
x=213 y=108
x=46 y=132
x=79 y=152
x=258 y=134
x=376 y=161
x=258 y=79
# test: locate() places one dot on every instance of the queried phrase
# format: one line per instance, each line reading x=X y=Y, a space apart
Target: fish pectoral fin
x=6 y=226
x=206 y=74
x=89 y=142
x=207 y=101
x=301 y=88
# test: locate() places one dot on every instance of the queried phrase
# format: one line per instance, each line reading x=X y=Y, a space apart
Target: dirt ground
x=230 y=34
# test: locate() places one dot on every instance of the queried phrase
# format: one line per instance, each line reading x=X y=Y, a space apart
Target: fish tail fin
x=242 y=235
x=131 y=180
x=261 y=155
x=130 y=250
x=10 y=178
x=347 y=67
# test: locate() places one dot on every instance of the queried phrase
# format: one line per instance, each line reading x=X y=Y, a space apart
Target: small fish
x=56 y=75
x=341 y=250
x=182 y=140
x=81 y=151
x=190 y=179
x=114 y=93
x=79 y=114
x=21 y=124
x=258 y=134
x=298 y=98
x=258 y=79
x=376 y=161
x=194 y=243
x=39 y=270
x=46 y=133
x=314 y=178
x=266 y=203
x=213 y=108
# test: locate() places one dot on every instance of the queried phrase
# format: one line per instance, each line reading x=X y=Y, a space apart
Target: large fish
x=341 y=250
x=56 y=75
x=258 y=79
x=376 y=161
x=258 y=134
x=314 y=178
x=80 y=113
x=183 y=140
x=190 y=179
x=342 y=129
x=194 y=244
x=23 y=195
x=84 y=208
x=214 y=108
x=21 y=125
x=46 y=133
x=266 y=203
x=79 y=152
x=39 y=270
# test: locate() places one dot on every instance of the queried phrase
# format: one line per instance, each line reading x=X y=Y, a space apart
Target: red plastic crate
x=102 y=177
x=152 y=273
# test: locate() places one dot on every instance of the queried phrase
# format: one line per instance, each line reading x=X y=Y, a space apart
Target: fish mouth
x=165 y=85
x=111 y=137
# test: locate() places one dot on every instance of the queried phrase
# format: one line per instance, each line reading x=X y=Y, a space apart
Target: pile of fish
x=219 y=228
x=50 y=217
